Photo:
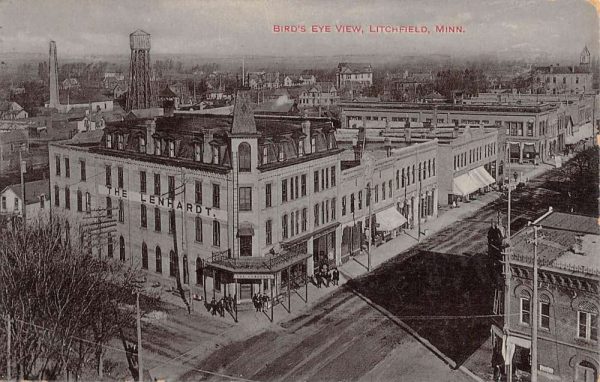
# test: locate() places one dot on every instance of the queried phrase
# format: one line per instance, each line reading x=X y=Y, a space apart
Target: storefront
x=463 y=186
x=351 y=240
x=324 y=246
x=389 y=223
x=274 y=276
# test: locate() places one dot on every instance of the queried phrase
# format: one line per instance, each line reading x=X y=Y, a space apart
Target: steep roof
x=33 y=190
x=355 y=67
x=243 y=116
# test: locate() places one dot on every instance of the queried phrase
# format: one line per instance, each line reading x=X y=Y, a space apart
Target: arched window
x=244 y=157
x=121 y=248
x=172 y=264
x=144 y=256
x=158 y=260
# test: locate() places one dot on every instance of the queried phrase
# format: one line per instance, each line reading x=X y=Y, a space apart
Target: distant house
x=70 y=83
x=320 y=94
x=85 y=98
x=116 y=75
x=291 y=81
x=37 y=199
x=357 y=74
x=12 y=110
x=119 y=90
x=11 y=142
x=307 y=79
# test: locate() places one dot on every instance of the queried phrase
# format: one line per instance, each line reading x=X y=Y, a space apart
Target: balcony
x=271 y=263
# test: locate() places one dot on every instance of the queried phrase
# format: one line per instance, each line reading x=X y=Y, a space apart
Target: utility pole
x=420 y=208
x=139 y=339
x=23 y=170
x=534 y=326
x=507 y=274
x=8 y=347
x=370 y=229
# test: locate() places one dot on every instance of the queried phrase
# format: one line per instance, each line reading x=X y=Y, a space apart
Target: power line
x=126 y=352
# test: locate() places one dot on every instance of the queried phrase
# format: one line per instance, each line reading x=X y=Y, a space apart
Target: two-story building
x=36 y=200
x=568 y=300
x=251 y=200
x=354 y=75
x=321 y=94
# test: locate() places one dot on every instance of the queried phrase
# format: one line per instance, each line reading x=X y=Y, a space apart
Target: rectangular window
x=269 y=232
x=284 y=194
x=121 y=211
x=403 y=176
x=525 y=311
x=157 y=223
x=198 y=192
x=108 y=176
x=157 y=184
x=383 y=191
x=56 y=196
x=57 y=161
x=376 y=193
x=67 y=198
x=88 y=202
x=303 y=185
x=304 y=219
x=390 y=189
x=326 y=209
x=292 y=188
x=397 y=179
x=109 y=207
x=268 y=195
x=587 y=325
x=216 y=196
x=332 y=176
x=216 y=233
x=360 y=200
x=198 y=229
x=120 y=177
x=82 y=174
x=143 y=216
x=333 y=208
x=343 y=205
x=316 y=215
x=352 y=203
x=544 y=315
x=143 y=182
x=292 y=217
x=171 y=186
x=323 y=179
x=171 y=216
x=245 y=194
x=284 y=226
x=67 y=168
x=79 y=201
x=296 y=188
x=316 y=185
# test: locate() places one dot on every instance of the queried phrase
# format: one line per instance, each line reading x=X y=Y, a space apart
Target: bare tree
x=64 y=303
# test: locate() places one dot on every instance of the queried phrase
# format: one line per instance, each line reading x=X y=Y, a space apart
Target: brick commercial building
x=533 y=131
x=568 y=300
x=395 y=183
x=253 y=201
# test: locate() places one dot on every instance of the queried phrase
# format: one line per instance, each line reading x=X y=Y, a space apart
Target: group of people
x=220 y=306
x=261 y=302
x=324 y=276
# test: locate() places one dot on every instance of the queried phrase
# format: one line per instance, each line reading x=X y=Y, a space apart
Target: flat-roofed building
x=568 y=300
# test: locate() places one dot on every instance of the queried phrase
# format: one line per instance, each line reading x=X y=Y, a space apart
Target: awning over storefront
x=482 y=176
x=584 y=132
x=245 y=229
x=509 y=344
x=390 y=219
x=464 y=185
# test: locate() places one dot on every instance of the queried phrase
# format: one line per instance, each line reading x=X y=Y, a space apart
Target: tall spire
x=243 y=116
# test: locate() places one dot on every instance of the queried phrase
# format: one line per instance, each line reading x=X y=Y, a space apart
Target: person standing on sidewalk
x=336 y=276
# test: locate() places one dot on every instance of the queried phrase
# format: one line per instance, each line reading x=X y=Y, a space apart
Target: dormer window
x=265 y=155
x=300 y=148
x=313 y=143
x=197 y=152
x=109 y=141
x=171 y=149
x=120 y=141
x=215 y=155
x=142 y=142
x=157 y=146
x=280 y=157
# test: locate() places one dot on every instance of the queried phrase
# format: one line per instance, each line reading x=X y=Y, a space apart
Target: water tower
x=140 y=90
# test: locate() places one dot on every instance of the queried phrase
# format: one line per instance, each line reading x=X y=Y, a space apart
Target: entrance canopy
x=482 y=176
x=245 y=229
x=390 y=219
x=464 y=185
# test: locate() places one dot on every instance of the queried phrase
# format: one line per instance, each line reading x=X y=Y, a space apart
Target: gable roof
x=354 y=67
x=33 y=190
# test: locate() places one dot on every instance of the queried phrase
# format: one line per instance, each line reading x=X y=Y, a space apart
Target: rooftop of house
x=566 y=242
x=557 y=69
x=33 y=190
x=355 y=67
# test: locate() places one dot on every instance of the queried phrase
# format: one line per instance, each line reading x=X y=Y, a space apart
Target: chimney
x=207 y=149
x=306 y=131
x=387 y=143
x=387 y=125
x=455 y=130
x=53 y=65
x=150 y=131
x=407 y=134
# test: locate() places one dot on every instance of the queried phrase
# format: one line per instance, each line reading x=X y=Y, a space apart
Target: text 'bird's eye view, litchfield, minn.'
x=299 y=190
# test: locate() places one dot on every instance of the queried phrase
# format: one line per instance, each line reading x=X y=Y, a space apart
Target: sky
x=559 y=28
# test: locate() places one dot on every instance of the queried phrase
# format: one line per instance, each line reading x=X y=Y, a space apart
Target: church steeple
x=584 y=58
